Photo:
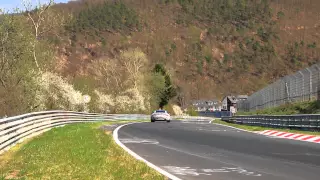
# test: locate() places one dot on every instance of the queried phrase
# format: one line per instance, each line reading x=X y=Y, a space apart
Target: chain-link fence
x=301 y=86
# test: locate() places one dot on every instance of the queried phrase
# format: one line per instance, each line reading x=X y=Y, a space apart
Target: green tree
x=155 y=83
x=169 y=90
x=17 y=66
x=105 y=16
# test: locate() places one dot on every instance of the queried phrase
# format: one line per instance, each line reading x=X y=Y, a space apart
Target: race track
x=194 y=151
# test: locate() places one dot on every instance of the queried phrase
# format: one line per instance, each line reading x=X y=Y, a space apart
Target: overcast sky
x=8 y=5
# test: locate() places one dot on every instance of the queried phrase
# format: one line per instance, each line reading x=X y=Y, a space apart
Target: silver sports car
x=160 y=115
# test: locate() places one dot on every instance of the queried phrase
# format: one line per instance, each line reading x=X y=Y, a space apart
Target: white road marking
x=215 y=170
x=297 y=154
x=163 y=172
x=187 y=171
x=242 y=171
x=139 y=141
x=193 y=122
x=184 y=171
x=210 y=130
x=273 y=137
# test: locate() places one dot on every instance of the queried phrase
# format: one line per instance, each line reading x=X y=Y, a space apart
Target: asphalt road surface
x=196 y=151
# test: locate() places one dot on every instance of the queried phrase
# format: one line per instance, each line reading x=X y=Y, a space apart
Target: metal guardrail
x=301 y=122
x=187 y=117
x=217 y=114
x=14 y=130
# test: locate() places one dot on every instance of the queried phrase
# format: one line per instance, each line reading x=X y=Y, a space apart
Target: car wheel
x=152 y=120
x=168 y=121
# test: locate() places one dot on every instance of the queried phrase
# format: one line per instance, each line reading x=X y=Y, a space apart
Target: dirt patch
x=13 y=175
x=107 y=132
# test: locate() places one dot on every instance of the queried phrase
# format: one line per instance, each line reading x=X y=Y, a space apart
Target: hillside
x=208 y=48
x=211 y=48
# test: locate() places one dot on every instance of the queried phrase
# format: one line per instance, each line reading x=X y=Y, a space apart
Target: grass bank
x=312 y=107
x=78 y=151
x=258 y=128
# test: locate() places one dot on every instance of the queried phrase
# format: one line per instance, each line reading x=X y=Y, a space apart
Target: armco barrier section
x=14 y=130
x=301 y=122
x=216 y=114
x=191 y=117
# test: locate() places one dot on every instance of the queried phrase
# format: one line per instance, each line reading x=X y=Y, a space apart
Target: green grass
x=310 y=107
x=192 y=112
x=78 y=151
x=258 y=128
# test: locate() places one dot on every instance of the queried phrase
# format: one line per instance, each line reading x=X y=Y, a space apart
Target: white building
x=207 y=105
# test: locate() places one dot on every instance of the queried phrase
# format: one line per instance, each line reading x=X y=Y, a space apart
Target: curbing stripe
x=303 y=137
x=307 y=138
x=284 y=135
x=269 y=132
x=288 y=135
x=161 y=171
x=265 y=131
x=297 y=136
x=277 y=134
x=291 y=136
x=313 y=139
x=274 y=132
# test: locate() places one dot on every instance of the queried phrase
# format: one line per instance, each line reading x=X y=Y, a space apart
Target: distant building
x=242 y=97
x=229 y=103
x=206 y=105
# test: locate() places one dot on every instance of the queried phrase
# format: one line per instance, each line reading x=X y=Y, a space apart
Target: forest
x=135 y=56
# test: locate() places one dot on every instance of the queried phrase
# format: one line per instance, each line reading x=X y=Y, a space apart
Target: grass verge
x=258 y=128
x=78 y=151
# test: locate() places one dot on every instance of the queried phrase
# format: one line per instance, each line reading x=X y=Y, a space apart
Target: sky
x=8 y=5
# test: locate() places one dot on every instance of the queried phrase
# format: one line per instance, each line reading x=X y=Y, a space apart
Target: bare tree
x=134 y=60
x=109 y=73
x=4 y=37
x=43 y=21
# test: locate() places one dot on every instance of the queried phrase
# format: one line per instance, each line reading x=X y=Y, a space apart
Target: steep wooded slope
x=210 y=47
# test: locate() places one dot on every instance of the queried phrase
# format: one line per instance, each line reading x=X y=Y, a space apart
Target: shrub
x=54 y=92
x=105 y=103
x=192 y=112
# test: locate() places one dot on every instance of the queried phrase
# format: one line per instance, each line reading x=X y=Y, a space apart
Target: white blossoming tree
x=56 y=93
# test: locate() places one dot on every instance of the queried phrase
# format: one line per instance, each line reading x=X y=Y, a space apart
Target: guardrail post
x=318 y=84
x=302 y=93
x=310 y=84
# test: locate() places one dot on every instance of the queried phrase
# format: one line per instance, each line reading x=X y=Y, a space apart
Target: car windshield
x=160 y=111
